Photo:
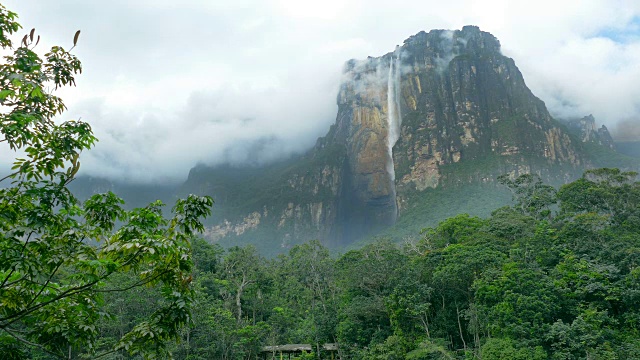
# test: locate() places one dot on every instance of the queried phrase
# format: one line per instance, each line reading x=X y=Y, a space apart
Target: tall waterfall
x=394 y=116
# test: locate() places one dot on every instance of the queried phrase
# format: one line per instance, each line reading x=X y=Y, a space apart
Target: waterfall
x=394 y=116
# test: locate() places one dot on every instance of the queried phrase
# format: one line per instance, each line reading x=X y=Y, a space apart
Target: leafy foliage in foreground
x=555 y=276
x=57 y=256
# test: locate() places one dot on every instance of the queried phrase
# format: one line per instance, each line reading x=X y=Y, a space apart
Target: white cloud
x=168 y=84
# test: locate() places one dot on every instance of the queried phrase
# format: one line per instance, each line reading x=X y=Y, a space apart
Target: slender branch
x=45 y=285
x=139 y=283
x=8 y=176
x=24 y=246
x=105 y=353
x=14 y=282
x=32 y=344
x=17 y=316
x=24 y=278
x=69 y=180
x=132 y=257
x=8 y=276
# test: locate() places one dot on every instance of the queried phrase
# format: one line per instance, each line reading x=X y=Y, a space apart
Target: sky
x=170 y=84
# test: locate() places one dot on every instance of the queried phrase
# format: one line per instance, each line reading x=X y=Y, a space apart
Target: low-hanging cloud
x=235 y=125
x=596 y=75
x=171 y=84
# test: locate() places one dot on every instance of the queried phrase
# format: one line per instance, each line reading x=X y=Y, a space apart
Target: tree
x=242 y=270
x=457 y=229
x=531 y=195
x=304 y=286
x=366 y=277
x=57 y=255
x=607 y=192
x=520 y=302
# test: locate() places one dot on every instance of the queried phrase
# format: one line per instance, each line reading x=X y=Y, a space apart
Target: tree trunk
x=425 y=323
x=464 y=344
x=239 y=300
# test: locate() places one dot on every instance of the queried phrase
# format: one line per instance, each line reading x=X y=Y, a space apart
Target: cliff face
x=462 y=101
x=405 y=120
x=586 y=129
x=454 y=98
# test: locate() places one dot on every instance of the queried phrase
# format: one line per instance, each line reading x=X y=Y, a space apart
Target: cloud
x=236 y=123
x=170 y=84
x=627 y=130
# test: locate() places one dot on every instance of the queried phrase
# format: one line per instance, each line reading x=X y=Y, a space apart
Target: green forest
x=555 y=275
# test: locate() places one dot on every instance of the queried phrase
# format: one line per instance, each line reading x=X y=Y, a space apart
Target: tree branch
x=139 y=283
x=105 y=353
x=15 y=317
x=45 y=285
x=8 y=176
x=24 y=246
x=25 y=341
x=14 y=282
x=4 y=282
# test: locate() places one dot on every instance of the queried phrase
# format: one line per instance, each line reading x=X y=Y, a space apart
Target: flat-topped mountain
x=421 y=133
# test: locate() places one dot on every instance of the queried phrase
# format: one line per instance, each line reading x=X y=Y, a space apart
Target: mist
x=627 y=130
x=248 y=82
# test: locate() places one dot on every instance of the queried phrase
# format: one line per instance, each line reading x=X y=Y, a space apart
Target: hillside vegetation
x=555 y=276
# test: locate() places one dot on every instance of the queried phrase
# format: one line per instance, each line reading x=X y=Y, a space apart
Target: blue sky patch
x=630 y=33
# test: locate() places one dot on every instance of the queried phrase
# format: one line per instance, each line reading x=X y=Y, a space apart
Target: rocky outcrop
x=586 y=129
x=218 y=232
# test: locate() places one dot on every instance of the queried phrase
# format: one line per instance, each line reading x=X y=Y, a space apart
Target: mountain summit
x=444 y=110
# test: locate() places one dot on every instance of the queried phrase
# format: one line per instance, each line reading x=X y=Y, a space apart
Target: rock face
x=404 y=121
x=462 y=100
x=586 y=129
x=456 y=99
